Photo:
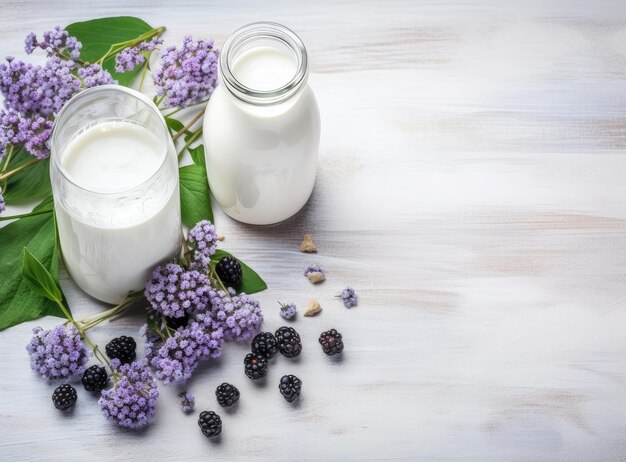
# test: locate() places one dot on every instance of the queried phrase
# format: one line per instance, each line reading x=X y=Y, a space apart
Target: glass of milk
x=262 y=126
x=114 y=178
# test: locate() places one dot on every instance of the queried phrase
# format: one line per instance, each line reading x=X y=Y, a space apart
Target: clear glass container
x=262 y=126
x=112 y=237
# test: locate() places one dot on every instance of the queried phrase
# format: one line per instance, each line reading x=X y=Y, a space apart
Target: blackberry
x=210 y=423
x=229 y=271
x=95 y=378
x=227 y=394
x=290 y=387
x=255 y=366
x=331 y=342
x=264 y=344
x=288 y=340
x=122 y=348
x=64 y=397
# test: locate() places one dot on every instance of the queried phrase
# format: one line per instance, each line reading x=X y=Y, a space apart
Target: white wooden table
x=471 y=189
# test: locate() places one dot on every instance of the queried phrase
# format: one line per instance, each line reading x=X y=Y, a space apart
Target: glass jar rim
x=55 y=155
x=254 y=31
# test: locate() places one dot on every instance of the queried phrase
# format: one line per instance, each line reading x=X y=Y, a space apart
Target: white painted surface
x=471 y=189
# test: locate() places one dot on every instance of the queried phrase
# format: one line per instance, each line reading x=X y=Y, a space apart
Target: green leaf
x=197 y=155
x=195 y=199
x=39 y=279
x=29 y=184
x=98 y=35
x=18 y=303
x=251 y=282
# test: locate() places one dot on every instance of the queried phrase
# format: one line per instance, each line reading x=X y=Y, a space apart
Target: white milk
x=262 y=159
x=111 y=252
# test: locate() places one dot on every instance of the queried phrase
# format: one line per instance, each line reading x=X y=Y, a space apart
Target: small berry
x=64 y=397
x=264 y=344
x=290 y=387
x=331 y=342
x=255 y=366
x=288 y=340
x=227 y=394
x=122 y=348
x=210 y=423
x=95 y=378
x=229 y=271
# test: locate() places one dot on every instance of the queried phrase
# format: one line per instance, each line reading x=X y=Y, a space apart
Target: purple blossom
x=202 y=240
x=55 y=42
x=239 y=316
x=35 y=89
x=178 y=356
x=349 y=297
x=58 y=353
x=175 y=292
x=93 y=76
x=189 y=74
x=10 y=132
x=131 y=57
x=187 y=401
x=2 y=205
x=131 y=402
x=315 y=274
x=37 y=131
x=288 y=311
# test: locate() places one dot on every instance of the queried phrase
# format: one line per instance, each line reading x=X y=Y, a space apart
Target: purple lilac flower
x=37 y=132
x=189 y=74
x=178 y=356
x=130 y=403
x=10 y=132
x=315 y=274
x=93 y=76
x=54 y=42
x=2 y=205
x=187 y=401
x=35 y=89
x=175 y=292
x=239 y=316
x=202 y=240
x=58 y=353
x=288 y=311
x=349 y=297
x=129 y=58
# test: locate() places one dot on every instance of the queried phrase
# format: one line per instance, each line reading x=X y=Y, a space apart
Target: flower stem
x=88 y=323
x=189 y=125
x=189 y=141
x=24 y=215
x=117 y=47
x=143 y=75
x=217 y=278
x=17 y=169
x=8 y=159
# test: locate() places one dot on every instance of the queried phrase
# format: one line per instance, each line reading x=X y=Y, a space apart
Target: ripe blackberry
x=229 y=271
x=264 y=344
x=290 y=387
x=331 y=342
x=210 y=423
x=227 y=394
x=95 y=378
x=255 y=366
x=122 y=348
x=288 y=340
x=64 y=397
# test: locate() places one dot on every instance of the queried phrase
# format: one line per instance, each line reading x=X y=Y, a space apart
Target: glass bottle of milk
x=262 y=126
x=114 y=179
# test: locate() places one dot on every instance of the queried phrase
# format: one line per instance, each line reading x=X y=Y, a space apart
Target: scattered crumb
x=316 y=277
x=220 y=238
x=313 y=308
x=308 y=246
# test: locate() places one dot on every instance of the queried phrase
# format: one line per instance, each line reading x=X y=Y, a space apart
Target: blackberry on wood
x=289 y=343
x=95 y=378
x=255 y=366
x=264 y=344
x=331 y=342
x=290 y=387
x=227 y=394
x=210 y=423
x=64 y=397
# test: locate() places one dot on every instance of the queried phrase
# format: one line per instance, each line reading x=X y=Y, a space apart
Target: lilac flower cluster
x=130 y=403
x=55 y=42
x=239 y=316
x=2 y=205
x=187 y=401
x=177 y=357
x=58 y=353
x=93 y=76
x=288 y=311
x=313 y=269
x=175 y=292
x=315 y=274
x=131 y=57
x=33 y=133
x=189 y=74
x=202 y=241
x=349 y=297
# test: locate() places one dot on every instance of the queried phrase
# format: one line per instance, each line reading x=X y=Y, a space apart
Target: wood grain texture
x=471 y=188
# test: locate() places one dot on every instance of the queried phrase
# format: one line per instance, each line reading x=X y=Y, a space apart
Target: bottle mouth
x=260 y=34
